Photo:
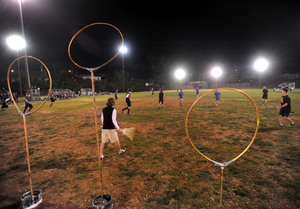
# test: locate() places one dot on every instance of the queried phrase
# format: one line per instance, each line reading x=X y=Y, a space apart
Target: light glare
x=261 y=65
x=216 y=72
x=15 y=42
x=123 y=49
x=179 y=74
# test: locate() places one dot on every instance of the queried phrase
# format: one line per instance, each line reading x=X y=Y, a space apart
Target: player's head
x=284 y=90
x=110 y=102
x=264 y=87
x=129 y=90
x=116 y=90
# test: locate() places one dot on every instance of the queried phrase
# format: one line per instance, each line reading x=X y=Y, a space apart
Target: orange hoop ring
x=111 y=59
x=9 y=88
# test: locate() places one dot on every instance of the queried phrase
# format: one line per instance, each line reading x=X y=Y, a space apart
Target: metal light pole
x=25 y=53
x=123 y=50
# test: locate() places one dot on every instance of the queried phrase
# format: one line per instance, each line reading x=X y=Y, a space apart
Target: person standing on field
x=28 y=103
x=128 y=102
x=161 y=97
x=180 y=94
x=264 y=98
x=285 y=108
x=109 y=132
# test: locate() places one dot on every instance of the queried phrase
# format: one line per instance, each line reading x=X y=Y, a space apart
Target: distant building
x=199 y=84
x=96 y=78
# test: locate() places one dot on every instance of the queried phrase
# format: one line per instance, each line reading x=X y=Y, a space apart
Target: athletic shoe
x=280 y=126
x=101 y=158
x=292 y=125
x=122 y=151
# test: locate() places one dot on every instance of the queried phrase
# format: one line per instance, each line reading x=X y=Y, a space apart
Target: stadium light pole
x=216 y=73
x=260 y=65
x=123 y=50
x=25 y=53
x=17 y=43
x=180 y=74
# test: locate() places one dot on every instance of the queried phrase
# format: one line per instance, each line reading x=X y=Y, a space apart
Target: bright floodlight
x=216 y=72
x=179 y=74
x=15 y=42
x=123 y=49
x=261 y=65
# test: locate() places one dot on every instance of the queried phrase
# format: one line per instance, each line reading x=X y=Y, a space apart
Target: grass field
x=160 y=168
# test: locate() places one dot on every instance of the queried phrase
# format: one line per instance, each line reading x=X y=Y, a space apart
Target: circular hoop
x=222 y=165
x=9 y=88
x=111 y=59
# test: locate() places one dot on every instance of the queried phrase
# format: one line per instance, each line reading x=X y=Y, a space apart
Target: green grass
x=160 y=168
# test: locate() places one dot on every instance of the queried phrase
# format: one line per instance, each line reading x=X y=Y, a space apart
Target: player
x=180 y=94
x=116 y=95
x=264 y=98
x=27 y=103
x=217 y=97
x=197 y=92
x=109 y=132
x=161 y=97
x=52 y=100
x=285 y=108
x=128 y=101
x=152 y=92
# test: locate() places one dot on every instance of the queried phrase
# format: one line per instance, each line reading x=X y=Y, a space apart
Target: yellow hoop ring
x=111 y=59
x=9 y=88
x=222 y=165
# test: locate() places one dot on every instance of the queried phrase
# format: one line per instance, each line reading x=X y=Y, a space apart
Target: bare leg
x=280 y=119
x=118 y=145
x=289 y=119
x=101 y=149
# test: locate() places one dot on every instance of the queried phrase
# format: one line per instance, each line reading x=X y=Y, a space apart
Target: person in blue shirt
x=217 y=97
x=152 y=92
x=27 y=103
x=197 y=92
x=180 y=94
x=116 y=95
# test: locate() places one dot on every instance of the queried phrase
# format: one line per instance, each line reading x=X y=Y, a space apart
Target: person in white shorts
x=109 y=122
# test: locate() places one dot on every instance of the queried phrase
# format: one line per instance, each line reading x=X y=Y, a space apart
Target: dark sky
x=228 y=33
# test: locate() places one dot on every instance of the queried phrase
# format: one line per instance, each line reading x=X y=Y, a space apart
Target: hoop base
x=103 y=203
x=29 y=201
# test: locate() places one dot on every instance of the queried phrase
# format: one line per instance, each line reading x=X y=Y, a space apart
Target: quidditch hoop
x=222 y=165
x=111 y=59
x=9 y=88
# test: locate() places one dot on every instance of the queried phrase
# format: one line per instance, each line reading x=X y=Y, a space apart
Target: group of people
x=67 y=94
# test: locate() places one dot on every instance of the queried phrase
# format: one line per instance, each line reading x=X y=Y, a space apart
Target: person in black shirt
x=27 y=103
x=161 y=97
x=285 y=108
x=264 y=98
x=128 y=102
x=52 y=100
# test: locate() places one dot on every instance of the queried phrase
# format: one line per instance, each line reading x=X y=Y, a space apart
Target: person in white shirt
x=109 y=122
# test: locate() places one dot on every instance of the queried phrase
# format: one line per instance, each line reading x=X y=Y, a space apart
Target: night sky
x=194 y=34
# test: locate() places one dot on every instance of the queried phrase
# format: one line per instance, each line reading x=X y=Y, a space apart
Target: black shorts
x=128 y=102
x=218 y=98
x=116 y=98
x=265 y=96
x=284 y=112
x=161 y=101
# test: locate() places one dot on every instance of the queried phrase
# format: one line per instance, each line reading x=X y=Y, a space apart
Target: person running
x=128 y=101
x=109 y=132
x=285 y=108
x=217 y=97
x=116 y=95
x=152 y=92
x=161 y=97
x=197 y=92
x=180 y=94
x=52 y=100
x=27 y=103
x=264 y=98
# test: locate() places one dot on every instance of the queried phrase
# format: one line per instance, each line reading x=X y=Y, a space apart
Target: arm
x=102 y=118
x=114 y=119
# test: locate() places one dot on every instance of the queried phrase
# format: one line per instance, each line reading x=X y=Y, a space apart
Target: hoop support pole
x=27 y=151
x=97 y=134
x=221 y=187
